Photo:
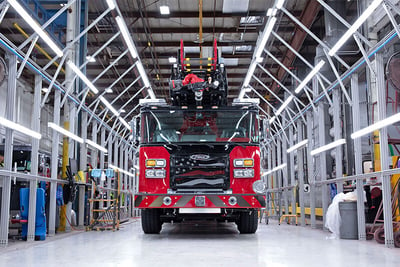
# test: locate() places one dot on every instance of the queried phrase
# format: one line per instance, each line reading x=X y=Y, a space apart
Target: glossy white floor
x=199 y=244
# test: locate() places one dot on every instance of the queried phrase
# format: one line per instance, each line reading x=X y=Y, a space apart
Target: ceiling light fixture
x=125 y=123
x=277 y=168
x=95 y=145
x=284 y=105
x=111 y=4
x=327 y=147
x=65 y=132
x=90 y=59
x=121 y=170
x=164 y=10
x=265 y=36
x=82 y=76
x=172 y=59
x=126 y=35
x=17 y=127
x=36 y=27
x=376 y=126
x=143 y=74
x=297 y=146
x=279 y=4
x=109 y=106
x=364 y=16
x=309 y=76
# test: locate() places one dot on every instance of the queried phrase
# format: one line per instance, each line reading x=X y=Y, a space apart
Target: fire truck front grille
x=199 y=171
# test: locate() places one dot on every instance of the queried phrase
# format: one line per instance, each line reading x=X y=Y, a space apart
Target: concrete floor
x=199 y=244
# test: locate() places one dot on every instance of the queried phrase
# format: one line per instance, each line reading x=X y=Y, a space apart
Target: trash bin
x=349 y=224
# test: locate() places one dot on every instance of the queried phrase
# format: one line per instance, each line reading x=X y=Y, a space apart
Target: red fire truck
x=199 y=159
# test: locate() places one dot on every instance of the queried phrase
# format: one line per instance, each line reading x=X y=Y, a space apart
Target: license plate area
x=200 y=201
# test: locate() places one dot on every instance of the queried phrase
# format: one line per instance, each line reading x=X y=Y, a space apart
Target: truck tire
x=151 y=222
x=248 y=222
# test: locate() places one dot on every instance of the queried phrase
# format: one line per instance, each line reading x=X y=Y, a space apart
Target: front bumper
x=144 y=201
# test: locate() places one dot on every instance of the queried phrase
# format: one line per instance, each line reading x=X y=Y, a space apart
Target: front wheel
x=248 y=222
x=151 y=222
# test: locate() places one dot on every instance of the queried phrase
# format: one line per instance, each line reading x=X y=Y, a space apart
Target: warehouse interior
x=81 y=80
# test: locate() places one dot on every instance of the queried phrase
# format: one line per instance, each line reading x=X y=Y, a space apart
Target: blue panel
x=40 y=223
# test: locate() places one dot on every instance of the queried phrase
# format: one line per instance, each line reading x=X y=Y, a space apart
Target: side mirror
x=264 y=125
x=135 y=129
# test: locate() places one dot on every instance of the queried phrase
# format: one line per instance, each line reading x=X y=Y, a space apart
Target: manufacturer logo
x=199 y=157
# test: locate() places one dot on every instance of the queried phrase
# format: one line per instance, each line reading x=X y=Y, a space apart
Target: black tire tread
x=151 y=222
x=248 y=222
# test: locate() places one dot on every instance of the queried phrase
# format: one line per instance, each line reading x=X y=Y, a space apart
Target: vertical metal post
x=54 y=164
x=122 y=175
x=8 y=149
x=310 y=165
x=102 y=158
x=128 y=199
x=279 y=173
x=358 y=157
x=337 y=126
x=82 y=166
x=285 y=175
x=110 y=149
x=322 y=159
x=383 y=145
x=292 y=172
x=300 y=173
x=34 y=158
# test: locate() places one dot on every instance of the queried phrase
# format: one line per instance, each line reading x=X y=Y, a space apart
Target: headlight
x=243 y=173
x=157 y=163
x=243 y=163
x=259 y=187
x=154 y=173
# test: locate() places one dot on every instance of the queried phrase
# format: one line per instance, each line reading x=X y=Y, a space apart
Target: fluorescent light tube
x=272 y=120
x=143 y=74
x=93 y=144
x=121 y=170
x=364 y=16
x=151 y=93
x=297 y=146
x=327 y=147
x=82 y=76
x=279 y=4
x=172 y=59
x=309 y=76
x=126 y=35
x=277 y=168
x=65 y=132
x=164 y=10
x=250 y=72
x=110 y=4
x=36 y=27
x=15 y=126
x=271 y=12
x=125 y=123
x=376 y=126
x=109 y=106
x=266 y=34
x=284 y=105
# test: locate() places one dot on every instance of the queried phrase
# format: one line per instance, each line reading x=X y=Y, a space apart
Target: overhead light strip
x=284 y=105
x=36 y=27
x=126 y=35
x=297 y=146
x=17 y=127
x=95 y=145
x=82 y=76
x=327 y=147
x=277 y=168
x=121 y=170
x=308 y=78
x=364 y=16
x=125 y=123
x=65 y=132
x=109 y=106
x=111 y=4
x=376 y=126
x=265 y=36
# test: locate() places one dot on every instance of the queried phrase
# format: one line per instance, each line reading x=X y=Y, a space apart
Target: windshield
x=175 y=126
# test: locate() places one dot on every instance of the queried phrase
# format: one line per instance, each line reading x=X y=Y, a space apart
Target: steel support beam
x=310 y=165
x=337 y=127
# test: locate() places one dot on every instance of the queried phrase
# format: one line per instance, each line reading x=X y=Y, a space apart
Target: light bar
x=126 y=36
x=297 y=146
x=248 y=76
x=65 y=132
x=35 y=26
x=93 y=144
x=284 y=105
x=108 y=105
x=124 y=123
x=121 y=170
x=265 y=36
x=309 y=76
x=143 y=75
x=272 y=120
x=327 y=147
x=277 y=168
x=363 y=17
x=376 y=126
x=12 y=125
x=111 y=4
x=82 y=76
x=279 y=4
x=164 y=10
